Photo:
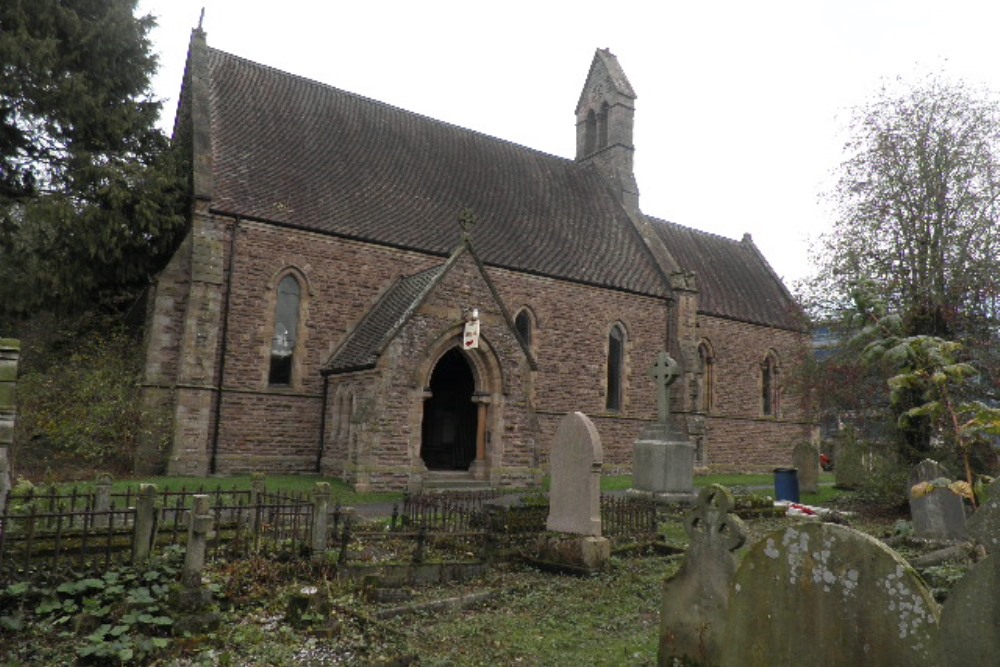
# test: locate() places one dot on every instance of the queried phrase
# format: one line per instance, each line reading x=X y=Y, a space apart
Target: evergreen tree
x=90 y=196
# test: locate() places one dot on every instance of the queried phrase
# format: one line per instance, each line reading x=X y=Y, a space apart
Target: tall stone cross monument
x=664 y=372
x=663 y=457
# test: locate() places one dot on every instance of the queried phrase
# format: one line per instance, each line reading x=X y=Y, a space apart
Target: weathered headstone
x=848 y=462
x=805 y=459
x=575 y=489
x=984 y=525
x=693 y=612
x=102 y=501
x=970 y=619
x=827 y=595
x=575 y=497
x=663 y=457
x=938 y=513
x=928 y=470
x=10 y=351
x=200 y=522
x=194 y=601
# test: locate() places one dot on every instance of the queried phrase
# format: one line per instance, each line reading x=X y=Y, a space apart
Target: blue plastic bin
x=786 y=484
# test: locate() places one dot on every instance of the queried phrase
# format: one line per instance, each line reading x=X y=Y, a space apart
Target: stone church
x=380 y=296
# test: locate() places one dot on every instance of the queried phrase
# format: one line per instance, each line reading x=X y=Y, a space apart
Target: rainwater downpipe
x=322 y=423
x=213 y=460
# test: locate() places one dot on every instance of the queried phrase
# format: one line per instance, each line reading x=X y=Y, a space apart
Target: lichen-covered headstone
x=805 y=459
x=693 y=612
x=826 y=595
x=938 y=513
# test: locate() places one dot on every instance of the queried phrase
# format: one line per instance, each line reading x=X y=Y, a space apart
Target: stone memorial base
x=576 y=551
x=664 y=470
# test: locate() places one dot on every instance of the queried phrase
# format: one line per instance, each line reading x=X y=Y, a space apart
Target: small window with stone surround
x=769 y=385
x=286 y=329
x=590 y=133
x=615 y=368
x=524 y=324
x=705 y=378
x=602 y=126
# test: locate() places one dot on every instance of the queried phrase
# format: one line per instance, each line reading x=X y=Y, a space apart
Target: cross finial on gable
x=467 y=220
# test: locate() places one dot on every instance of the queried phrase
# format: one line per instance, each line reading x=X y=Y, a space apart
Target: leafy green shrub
x=121 y=617
x=82 y=410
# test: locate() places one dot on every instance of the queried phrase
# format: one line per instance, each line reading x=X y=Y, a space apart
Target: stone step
x=453 y=481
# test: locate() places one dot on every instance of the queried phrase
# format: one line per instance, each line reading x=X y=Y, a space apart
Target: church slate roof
x=292 y=151
x=365 y=341
x=734 y=279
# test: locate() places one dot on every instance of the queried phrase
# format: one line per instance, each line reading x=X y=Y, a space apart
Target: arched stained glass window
x=286 y=329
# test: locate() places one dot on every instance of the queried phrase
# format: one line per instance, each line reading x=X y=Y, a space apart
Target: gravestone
x=970 y=619
x=984 y=525
x=663 y=457
x=928 y=470
x=848 y=463
x=198 y=614
x=575 y=497
x=805 y=459
x=938 y=514
x=825 y=595
x=693 y=612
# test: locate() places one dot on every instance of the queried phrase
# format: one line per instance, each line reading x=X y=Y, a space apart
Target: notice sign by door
x=470 y=338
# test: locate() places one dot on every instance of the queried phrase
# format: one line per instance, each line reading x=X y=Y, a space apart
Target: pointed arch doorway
x=451 y=415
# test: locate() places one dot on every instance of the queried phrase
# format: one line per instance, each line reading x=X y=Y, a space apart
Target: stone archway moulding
x=488 y=378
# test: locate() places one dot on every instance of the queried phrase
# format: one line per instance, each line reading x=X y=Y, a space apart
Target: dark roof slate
x=292 y=151
x=734 y=279
x=365 y=342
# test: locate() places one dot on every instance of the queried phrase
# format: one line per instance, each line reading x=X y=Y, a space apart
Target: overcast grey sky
x=740 y=104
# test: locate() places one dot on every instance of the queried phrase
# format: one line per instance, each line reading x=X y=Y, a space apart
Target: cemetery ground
x=517 y=614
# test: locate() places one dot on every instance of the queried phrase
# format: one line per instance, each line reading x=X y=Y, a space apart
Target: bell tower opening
x=448 y=438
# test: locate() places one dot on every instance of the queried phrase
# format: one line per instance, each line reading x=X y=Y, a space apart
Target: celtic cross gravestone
x=663 y=460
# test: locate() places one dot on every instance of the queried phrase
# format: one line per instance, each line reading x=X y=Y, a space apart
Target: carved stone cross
x=467 y=220
x=664 y=372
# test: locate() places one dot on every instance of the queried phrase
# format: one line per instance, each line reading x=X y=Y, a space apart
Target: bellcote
x=604 y=119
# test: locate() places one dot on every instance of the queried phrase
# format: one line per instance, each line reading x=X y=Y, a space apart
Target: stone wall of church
x=738 y=434
x=570 y=343
x=344 y=279
x=277 y=427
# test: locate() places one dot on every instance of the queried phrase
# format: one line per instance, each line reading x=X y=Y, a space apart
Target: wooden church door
x=448 y=439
